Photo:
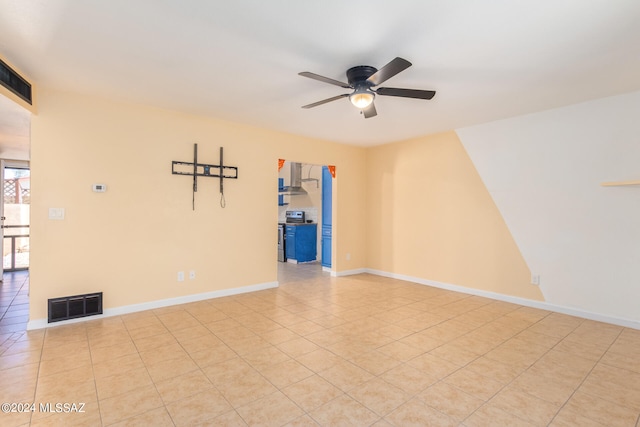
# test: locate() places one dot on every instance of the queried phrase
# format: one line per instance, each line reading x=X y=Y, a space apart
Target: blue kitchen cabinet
x=327 y=185
x=326 y=246
x=302 y=240
x=290 y=233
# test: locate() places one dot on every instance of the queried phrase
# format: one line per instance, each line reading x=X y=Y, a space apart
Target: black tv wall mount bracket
x=196 y=169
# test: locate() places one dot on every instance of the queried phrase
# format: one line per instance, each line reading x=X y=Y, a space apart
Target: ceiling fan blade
x=391 y=69
x=324 y=101
x=406 y=93
x=324 y=79
x=370 y=111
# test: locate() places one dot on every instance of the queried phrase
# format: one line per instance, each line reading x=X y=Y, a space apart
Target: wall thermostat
x=99 y=188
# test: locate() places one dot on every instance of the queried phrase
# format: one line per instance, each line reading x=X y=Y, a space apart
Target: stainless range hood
x=295 y=186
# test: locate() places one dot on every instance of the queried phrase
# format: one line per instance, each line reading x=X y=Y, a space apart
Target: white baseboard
x=348 y=272
x=117 y=311
x=629 y=323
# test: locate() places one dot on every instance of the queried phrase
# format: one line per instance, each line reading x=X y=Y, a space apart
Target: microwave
x=295 y=217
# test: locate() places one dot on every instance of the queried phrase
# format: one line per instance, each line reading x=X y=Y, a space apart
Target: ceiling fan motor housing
x=358 y=75
x=362 y=96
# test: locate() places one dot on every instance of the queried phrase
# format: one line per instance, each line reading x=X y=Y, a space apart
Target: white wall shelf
x=619 y=183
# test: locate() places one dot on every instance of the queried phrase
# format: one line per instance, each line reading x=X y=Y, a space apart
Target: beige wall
x=431 y=217
x=131 y=241
x=415 y=208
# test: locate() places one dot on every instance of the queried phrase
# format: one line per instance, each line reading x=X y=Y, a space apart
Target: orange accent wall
x=430 y=216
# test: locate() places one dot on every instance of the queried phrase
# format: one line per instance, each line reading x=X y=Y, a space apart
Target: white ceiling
x=238 y=60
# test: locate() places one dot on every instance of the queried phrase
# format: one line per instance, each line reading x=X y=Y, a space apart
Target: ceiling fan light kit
x=362 y=79
x=362 y=97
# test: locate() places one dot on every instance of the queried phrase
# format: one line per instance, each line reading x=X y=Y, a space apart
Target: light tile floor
x=359 y=350
x=14 y=303
x=288 y=272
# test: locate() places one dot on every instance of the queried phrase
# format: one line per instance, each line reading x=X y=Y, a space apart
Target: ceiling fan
x=362 y=79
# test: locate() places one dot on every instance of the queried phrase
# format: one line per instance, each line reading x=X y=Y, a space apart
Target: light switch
x=56 y=213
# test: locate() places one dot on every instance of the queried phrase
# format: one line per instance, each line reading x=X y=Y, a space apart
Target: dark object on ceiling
x=362 y=79
x=14 y=82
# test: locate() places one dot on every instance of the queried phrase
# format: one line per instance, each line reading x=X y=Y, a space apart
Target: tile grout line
x=587 y=374
x=358 y=315
x=35 y=389
x=199 y=369
x=13 y=298
x=164 y=405
x=525 y=370
x=521 y=373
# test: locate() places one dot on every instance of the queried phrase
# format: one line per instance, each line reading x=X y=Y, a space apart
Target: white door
x=2 y=218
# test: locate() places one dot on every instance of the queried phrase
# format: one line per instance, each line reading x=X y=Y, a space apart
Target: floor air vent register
x=73 y=307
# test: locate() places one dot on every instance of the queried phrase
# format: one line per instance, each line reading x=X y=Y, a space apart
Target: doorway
x=15 y=208
x=302 y=187
x=15 y=141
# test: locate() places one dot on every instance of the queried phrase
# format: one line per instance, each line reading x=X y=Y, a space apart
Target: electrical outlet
x=192 y=274
x=348 y=257
x=180 y=276
x=535 y=279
